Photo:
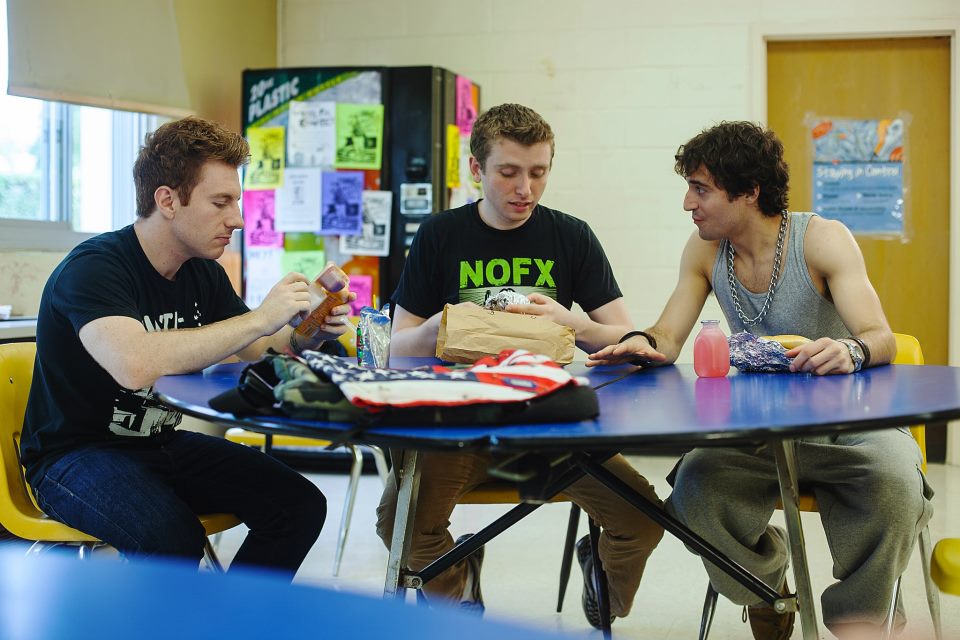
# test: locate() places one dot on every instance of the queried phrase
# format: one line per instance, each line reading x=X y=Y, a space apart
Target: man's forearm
x=666 y=344
x=420 y=340
x=881 y=344
x=595 y=336
x=161 y=353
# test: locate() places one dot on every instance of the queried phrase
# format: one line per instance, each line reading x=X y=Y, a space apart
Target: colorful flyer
x=342 y=199
x=267 y=149
x=467 y=106
x=359 y=136
x=303 y=241
x=263 y=270
x=259 y=220
x=453 y=156
x=298 y=201
x=363 y=287
x=858 y=173
x=374 y=236
x=309 y=263
x=312 y=134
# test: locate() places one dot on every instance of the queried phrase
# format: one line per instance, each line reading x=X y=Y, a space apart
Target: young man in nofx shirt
x=556 y=260
x=129 y=306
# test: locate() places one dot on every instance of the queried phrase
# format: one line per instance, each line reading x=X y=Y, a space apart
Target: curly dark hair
x=514 y=122
x=174 y=156
x=740 y=156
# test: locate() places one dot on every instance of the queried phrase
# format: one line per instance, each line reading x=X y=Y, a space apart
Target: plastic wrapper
x=500 y=300
x=373 y=338
x=752 y=353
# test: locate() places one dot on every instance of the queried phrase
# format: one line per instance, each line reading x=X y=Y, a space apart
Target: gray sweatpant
x=872 y=497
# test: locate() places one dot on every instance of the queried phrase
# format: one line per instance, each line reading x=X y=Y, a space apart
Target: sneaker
x=767 y=624
x=472 y=598
x=589 y=599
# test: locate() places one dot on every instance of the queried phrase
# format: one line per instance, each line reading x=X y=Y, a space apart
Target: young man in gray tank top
x=778 y=272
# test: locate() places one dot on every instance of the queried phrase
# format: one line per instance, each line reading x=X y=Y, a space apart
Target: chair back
x=19 y=513
x=909 y=352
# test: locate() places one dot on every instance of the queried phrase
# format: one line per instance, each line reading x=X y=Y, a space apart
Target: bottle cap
x=333 y=278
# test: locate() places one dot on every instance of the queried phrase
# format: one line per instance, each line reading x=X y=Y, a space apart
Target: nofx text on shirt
x=498 y=272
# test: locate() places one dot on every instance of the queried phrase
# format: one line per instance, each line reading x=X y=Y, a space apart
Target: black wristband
x=865 y=349
x=294 y=347
x=650 y=338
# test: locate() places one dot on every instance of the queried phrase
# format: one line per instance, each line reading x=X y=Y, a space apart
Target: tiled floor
x=521 y=567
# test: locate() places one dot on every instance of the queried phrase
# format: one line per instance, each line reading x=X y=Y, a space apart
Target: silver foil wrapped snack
x=500 y=300
x=753 y=353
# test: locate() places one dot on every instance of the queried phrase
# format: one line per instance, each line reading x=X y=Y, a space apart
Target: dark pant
x=143 y=498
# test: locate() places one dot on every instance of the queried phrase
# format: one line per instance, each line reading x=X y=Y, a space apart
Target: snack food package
x=373 y=338
x=753 y=353
x=504 y=297
x=470 y=332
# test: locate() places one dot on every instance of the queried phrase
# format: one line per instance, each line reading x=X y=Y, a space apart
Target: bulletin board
x=312 y=188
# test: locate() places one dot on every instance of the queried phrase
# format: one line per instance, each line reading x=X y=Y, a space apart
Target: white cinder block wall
x=623 y=83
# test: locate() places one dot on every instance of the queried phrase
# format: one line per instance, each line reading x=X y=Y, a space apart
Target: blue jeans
x=143 y=498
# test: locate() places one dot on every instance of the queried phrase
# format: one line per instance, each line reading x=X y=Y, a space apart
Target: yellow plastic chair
x=946 y=565
x=19 y=513
x=908 y=352
x=280 y=441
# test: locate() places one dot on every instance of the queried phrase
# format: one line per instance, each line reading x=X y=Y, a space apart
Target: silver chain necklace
x=732 y=278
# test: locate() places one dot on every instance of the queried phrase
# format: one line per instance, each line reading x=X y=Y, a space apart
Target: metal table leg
x=785 y=451
x=409 y=487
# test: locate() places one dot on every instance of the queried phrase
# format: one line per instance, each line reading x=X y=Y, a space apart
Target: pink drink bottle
x=711 y=353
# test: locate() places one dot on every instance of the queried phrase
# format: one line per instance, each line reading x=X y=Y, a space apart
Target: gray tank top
x=797 y=308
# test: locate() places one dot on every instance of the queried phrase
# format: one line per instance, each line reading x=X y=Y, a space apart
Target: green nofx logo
x=498 y=272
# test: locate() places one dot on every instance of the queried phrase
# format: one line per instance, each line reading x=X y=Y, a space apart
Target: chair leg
x=933 y=594
x=709 y=607
x=603 y=596
x=892 y=611
x=210 y=556
x=568 y=549
x=215 y=539
x=355 y=470
x=381 y=462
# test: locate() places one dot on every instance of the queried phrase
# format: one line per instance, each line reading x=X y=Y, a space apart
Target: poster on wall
x=359 y=136
x=858 y=173
x=263 y=270
x=298 y=201
x=468 y=100
x=342 y=199
x=374 y=236
x=267 y=154
x=259 y=220
x=312 y=134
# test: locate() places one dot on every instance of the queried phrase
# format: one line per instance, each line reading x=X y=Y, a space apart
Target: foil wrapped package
x=753 y=353
x=500 y=300
x=373 y=338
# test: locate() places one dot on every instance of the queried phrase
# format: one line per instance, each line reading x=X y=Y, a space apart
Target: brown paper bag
x=468 y=333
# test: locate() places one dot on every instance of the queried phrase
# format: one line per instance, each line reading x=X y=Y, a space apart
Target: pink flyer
x=258 y=220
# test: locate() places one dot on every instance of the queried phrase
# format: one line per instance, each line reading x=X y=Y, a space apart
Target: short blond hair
x=514 y=122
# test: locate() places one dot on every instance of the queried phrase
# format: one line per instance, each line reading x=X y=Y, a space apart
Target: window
x=64 y=169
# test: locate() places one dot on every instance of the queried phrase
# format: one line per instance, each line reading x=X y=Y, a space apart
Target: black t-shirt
x=456 y=257
x=73 y=400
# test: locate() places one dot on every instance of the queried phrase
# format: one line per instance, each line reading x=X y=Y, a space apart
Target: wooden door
x=874 y=79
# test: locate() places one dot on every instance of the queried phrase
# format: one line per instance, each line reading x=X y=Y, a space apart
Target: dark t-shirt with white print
x=73 y=400
x=456 y=257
